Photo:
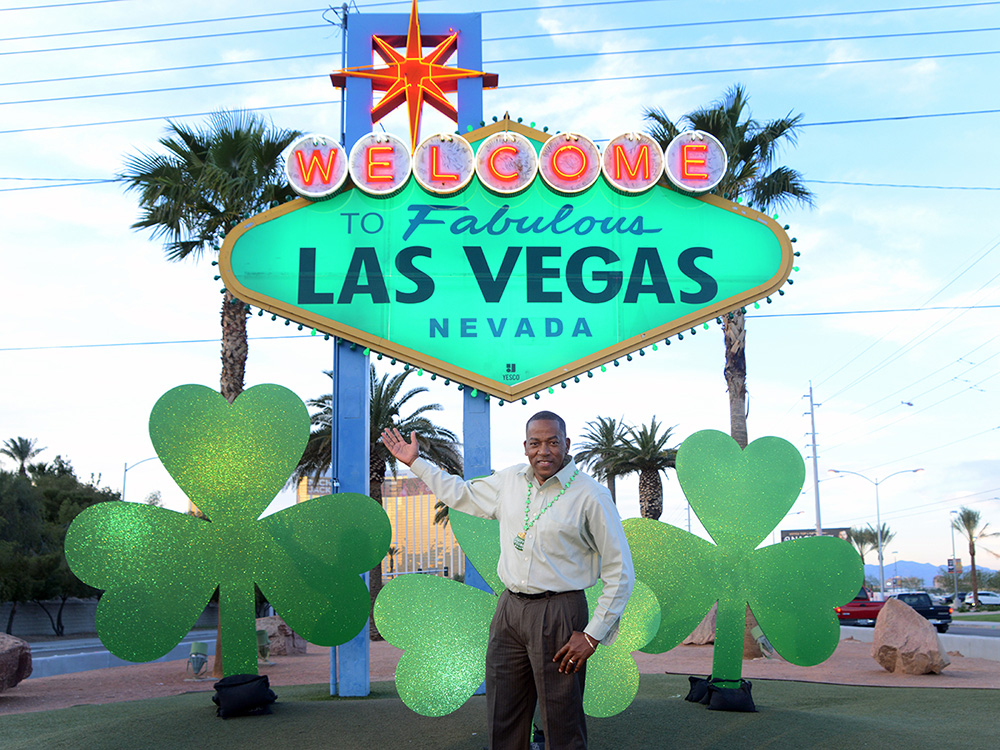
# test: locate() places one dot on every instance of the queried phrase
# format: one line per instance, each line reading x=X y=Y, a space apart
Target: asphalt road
x=958 y=629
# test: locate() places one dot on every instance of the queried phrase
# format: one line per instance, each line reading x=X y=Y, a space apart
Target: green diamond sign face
x=508 y=294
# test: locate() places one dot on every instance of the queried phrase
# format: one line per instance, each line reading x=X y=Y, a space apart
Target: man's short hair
x=547 y=416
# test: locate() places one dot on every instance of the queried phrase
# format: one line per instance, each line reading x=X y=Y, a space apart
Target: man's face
x=546 y=448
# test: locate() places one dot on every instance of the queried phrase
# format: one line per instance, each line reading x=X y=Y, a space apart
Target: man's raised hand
x=403 y=450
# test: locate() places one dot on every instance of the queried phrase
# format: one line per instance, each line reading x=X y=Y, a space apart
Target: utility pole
x=812 y=419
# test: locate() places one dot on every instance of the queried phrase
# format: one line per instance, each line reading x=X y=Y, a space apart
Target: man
x=559 y=533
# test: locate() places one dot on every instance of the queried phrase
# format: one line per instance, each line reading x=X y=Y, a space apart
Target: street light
x=954 y=562
x=127 y=467
x=878 y=516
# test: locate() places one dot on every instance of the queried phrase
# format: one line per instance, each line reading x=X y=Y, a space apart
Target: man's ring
x=571 y=661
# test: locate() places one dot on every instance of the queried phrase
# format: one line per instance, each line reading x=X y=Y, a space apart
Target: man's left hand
x=575 y=653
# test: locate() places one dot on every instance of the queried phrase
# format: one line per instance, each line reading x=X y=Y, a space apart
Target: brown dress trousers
x=524 y=636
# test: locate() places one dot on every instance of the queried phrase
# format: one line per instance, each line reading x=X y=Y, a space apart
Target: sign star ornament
x=414 y=77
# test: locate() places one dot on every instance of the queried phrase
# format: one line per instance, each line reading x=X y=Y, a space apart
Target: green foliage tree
x=644 y=451
x=752 y=175
x=64 y=497
x=21 y=536
x=600 y=450
x=387 y=403
x=866 y=539
x=202 y=184
x=969 y=524
x=862 y=540
x=21 y=450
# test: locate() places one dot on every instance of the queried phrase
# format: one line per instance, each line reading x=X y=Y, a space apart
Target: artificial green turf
x=790 y=715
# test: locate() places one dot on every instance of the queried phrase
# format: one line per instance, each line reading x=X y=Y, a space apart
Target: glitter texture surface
x=159 y=568
x=443 y=626
x=792 y=588
x=612 y=668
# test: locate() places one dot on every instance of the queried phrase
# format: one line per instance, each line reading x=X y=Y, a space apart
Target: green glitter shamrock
x=159 y=568
x=792 y=587
x=443 y=627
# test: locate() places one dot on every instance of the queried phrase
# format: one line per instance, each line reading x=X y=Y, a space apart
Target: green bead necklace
x=528 y=521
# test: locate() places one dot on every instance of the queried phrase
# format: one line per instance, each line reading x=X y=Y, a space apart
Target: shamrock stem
x=727 y=655
x=239 y=631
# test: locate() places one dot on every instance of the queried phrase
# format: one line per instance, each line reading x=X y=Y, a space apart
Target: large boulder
x=705 y=632
x=906 y=643
x=283 y=640
x=15 y=661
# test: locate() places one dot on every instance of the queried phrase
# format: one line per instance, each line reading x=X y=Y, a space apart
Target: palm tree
x=752 y=147
x=866 y=540
x=644 y=451
x=862 y=540
x=21 y=450
x=601 y=450
x=207 y=182
x=967 y=523
x=438 y=445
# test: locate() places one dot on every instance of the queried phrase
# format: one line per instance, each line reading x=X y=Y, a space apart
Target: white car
x=991 y=598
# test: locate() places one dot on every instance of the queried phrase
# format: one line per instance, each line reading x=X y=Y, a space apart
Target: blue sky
x=890 y=316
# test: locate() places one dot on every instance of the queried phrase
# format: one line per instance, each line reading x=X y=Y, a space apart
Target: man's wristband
x=592 y=643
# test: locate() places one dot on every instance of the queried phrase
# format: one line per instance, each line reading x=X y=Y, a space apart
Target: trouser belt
x=542 y=594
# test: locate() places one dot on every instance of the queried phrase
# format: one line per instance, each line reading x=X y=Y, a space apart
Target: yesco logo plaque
x=508 y=260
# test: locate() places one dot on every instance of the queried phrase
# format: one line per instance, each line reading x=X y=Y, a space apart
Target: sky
x=888 y=320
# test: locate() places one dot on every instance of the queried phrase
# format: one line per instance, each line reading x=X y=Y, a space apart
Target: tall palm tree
x=438 y=445
x=967 y=522
x=644 y=451
x=204 y=183
x=862 y=540
x=751 y=175
x=601 y=450
x=21 y=450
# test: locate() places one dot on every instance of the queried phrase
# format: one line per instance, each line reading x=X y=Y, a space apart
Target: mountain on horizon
x=909 y=569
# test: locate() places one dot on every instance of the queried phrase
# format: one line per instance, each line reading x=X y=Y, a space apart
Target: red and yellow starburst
x=413 y=77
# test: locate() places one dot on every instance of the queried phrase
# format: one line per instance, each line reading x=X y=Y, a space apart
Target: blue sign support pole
x=350 y=664
x=350 y=462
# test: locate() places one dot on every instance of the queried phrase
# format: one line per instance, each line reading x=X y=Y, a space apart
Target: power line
x=870 y=312
x=491 y=62
x=763 y=19
x=494 y=12
x=203 y=341
x=161 y=25
x=561 y=83
x=143 y=343
x=161 y=117
x=896 y=185
x=589 y=54
x=766 y=68
x=62 y=5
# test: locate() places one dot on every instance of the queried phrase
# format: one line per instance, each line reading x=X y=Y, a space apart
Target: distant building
x=418 y=544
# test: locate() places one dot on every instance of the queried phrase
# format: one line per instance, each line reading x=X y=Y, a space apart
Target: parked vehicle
x=938 y=616
x=990 y=598
x=862 y=610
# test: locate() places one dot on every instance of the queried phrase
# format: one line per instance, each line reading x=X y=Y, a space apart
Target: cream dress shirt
x=576 y=541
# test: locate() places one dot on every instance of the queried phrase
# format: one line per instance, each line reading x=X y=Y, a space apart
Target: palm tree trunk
x=734 y=330
x=650 y=494
x=972 y=566
x=611 y=488
x=376 y=477
x=234 y=364
x=234 y=346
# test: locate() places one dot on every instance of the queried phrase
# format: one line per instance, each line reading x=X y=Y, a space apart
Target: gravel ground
x=851 y=664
